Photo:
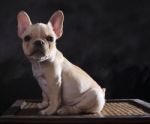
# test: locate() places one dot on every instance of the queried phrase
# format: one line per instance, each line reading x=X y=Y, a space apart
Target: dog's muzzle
x=38 y=49
x=38 y=44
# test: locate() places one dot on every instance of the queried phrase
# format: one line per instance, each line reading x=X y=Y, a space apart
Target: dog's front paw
x=42 y=105
x=47 y=111
x=64 y=110
x=68 y=110
x=43 y=112
x=61 y=111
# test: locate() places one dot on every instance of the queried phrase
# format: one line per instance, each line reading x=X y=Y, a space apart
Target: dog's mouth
x=37 y=53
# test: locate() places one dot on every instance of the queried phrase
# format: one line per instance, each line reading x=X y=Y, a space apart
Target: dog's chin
x=37 y=55
x=40 y=57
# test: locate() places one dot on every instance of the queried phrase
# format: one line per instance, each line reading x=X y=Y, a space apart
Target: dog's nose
x=38 y=43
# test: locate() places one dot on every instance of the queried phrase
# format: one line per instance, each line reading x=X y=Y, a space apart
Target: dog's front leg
x=45 y=101
x=43 y=85
x=54 y=96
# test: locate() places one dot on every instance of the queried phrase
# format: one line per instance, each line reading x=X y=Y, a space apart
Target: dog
x=66 y=88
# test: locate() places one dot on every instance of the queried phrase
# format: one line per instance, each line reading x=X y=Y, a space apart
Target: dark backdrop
x=109 y=39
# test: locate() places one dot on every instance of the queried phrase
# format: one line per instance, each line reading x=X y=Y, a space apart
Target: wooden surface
x=132 y=111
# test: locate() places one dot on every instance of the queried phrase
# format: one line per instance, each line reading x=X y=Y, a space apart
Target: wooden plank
x=30 y=114
x=71 y=120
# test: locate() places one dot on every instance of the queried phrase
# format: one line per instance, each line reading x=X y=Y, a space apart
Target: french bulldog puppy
x=66 y=88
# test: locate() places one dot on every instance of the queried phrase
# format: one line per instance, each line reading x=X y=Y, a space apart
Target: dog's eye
x=49 y=38
x=27 y=38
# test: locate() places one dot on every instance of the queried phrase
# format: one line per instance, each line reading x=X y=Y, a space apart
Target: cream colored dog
x=66 y=89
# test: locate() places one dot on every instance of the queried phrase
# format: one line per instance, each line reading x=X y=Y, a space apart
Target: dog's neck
x=38 y=65
x=57 y=55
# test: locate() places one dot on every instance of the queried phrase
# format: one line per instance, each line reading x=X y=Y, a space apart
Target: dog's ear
x=56 y=21
x=23 y=22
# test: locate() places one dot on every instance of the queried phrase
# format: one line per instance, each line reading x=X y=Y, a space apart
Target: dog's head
x=39 y=40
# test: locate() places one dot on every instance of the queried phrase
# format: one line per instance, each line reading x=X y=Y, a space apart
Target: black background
x=109 y=39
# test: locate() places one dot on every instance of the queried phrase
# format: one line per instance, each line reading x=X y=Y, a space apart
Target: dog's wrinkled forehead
x=39 y=30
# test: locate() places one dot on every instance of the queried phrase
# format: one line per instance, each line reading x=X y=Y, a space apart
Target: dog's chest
x=39 y=75
x=37 y=70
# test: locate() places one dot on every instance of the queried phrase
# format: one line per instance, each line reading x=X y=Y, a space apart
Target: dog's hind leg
x=91 y=102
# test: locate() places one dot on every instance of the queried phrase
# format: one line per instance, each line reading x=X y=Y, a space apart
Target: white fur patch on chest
x=38 y=74
x=36 y=69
